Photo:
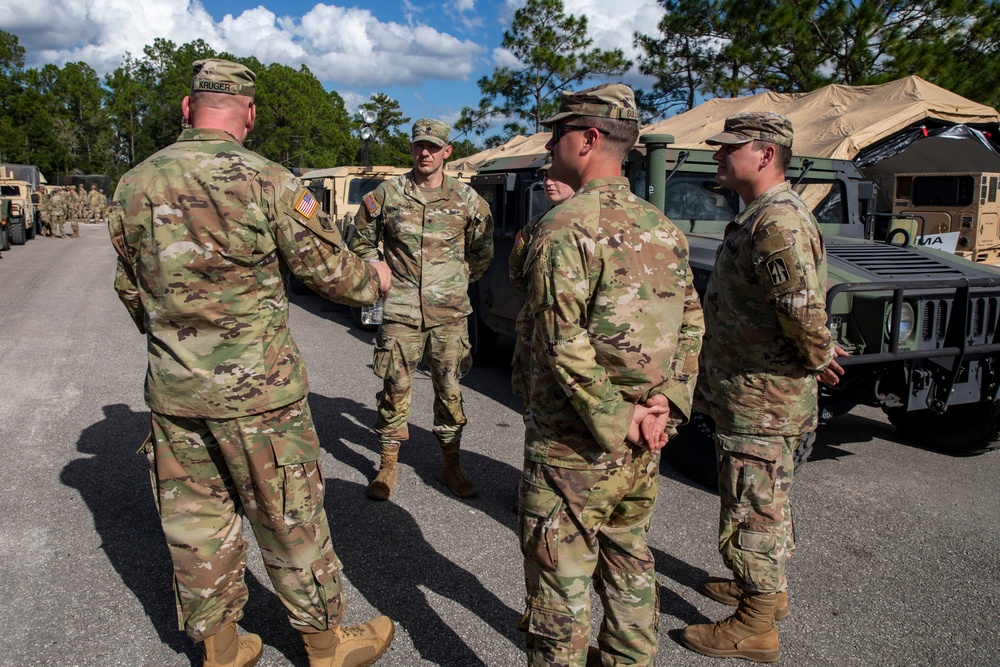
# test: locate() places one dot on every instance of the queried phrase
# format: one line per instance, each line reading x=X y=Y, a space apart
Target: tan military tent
x=519 y=145
x=835 y=121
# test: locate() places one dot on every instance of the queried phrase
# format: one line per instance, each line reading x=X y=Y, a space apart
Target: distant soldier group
x=61 y=204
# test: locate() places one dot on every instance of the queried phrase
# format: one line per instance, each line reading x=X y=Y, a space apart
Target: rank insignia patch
x=778 y=271
x=307 y=205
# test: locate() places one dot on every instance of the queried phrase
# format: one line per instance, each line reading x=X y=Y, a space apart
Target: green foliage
x=553 y=52
x=389 y=145
x=733 y=47
x=299 y=124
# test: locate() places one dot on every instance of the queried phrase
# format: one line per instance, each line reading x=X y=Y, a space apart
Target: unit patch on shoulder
x=307 y=205
x=370 y=203
x=778 y=271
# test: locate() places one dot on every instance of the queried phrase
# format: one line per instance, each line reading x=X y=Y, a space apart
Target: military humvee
x=921 y=325
x=21 y=225
x=958 y=212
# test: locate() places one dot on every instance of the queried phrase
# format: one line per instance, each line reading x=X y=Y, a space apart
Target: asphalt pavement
x=898 y=549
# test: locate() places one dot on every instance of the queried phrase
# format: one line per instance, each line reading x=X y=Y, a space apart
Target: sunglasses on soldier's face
x=559 y=130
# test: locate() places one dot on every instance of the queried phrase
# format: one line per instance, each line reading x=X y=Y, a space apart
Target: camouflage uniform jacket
x=616 y=320
x=765 y=319
x=95 y=200
x=206 y=231
x=435 y=245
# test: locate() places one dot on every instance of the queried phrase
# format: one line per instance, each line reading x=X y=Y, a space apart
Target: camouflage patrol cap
x=754 y=125
x=608 y=100
x=544 y=169
x=222 y=76
x=430 y=130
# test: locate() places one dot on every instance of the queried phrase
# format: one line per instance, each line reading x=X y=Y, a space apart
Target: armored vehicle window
x=494 y=196
x=9 y=191
x=360 y=187
x=697 y=197
x=537 y=201
x=826 y=200
x=943 y=190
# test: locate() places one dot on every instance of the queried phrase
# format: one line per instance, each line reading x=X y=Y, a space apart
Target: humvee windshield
x=10 y=191
x=359 y=187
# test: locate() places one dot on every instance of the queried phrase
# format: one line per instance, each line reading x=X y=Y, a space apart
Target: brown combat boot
x=227 y=649
x=452 y=475
x=356 y=646
x=729 y=592
x=749 y=633
x=381 y=486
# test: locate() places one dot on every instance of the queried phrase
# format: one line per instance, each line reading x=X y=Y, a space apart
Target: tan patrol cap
x=430 y=130
x=222 y=76
x=608 y=100
x=754 y=125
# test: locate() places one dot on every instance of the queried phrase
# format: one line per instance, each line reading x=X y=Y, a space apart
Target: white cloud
x=343 y=46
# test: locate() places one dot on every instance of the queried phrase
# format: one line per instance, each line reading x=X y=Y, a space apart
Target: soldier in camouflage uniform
x=557 y=192
x=96 y=203
x=616 y=330
x=73 y=213
x=57 y=211
x=206 y=232
x=43 y=212
x=766 y=344
x=436 y=234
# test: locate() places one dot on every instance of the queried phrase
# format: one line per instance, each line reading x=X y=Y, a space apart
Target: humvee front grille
x=889 y=261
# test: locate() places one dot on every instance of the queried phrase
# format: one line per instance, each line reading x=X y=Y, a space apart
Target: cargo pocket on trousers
x=326 y=572
x=549 y=619
x=754 y=542
x=382 y=360
x=465 y=363
x=298 y=487
x=748 y=468
x=541 y=508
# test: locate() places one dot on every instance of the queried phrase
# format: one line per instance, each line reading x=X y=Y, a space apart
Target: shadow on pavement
x=114 y=483
x=384 y=552
x=497 y=481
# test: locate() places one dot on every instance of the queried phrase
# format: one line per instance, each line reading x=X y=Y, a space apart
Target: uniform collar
x=206 y=134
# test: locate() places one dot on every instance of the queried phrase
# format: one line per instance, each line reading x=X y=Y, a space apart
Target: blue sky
x=426 y=55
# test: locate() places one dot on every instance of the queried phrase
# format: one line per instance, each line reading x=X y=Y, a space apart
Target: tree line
x=67 y=120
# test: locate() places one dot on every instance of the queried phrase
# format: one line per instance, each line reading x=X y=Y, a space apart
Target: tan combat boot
x=749 y=633
x=227 y=649
x=452 y=475
x=381 y=486
x=356 y=646
x=729 y=592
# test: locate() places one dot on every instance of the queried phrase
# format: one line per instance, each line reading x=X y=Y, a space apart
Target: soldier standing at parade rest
x=616 y=330
x=766 y=345
x=436 y=234
x=206 y=231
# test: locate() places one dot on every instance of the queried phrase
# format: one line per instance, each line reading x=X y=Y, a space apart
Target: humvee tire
x=18 y=235
x=963 y=430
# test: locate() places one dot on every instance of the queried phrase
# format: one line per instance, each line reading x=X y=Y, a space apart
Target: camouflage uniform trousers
x=578 y=526
x=57 y=219
x=756 y=535
x=398 y=350
x=206 y=473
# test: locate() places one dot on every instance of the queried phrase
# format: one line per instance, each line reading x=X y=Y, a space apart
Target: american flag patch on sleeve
x=307 y=205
